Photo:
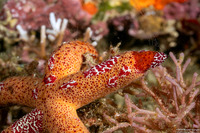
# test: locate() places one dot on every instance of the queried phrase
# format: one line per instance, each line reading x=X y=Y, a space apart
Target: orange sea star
x=65 y=88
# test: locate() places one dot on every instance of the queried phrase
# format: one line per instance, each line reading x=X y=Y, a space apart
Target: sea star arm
x=109 y=76
x=67 y=59
x=63 y=118
x=19 y=90
x=98 y=81
x=30 y=123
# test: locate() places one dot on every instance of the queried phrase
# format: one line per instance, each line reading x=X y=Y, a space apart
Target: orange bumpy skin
x=56 y=102
x=67 y=59
x=18 y=90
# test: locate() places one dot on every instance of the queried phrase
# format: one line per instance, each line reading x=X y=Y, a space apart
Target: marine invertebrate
x=100 y=30
x=65 y=88
x=187 y=10
x=27 y=16
x=58 y=29
x=56 y=34
x=27 y=11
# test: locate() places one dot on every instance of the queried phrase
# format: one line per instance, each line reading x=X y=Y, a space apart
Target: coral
x=28 y=16
x=178 y=103
x=154 y=25
x=58 y=28
x=56 y=34
x=126 y=28
x=28 y=10
x=100 y=30
x=186 y=10
x=123 y=23
x=22 y=20
x=59 y=94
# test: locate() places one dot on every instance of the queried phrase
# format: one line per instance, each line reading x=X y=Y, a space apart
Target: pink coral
x=31 y=14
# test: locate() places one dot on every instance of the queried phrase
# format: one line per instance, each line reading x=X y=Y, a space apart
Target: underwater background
x=30 y=30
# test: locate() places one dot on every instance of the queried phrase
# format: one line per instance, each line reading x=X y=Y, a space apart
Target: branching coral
x=65 y=88
x=56 y=34
x=178 y=103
